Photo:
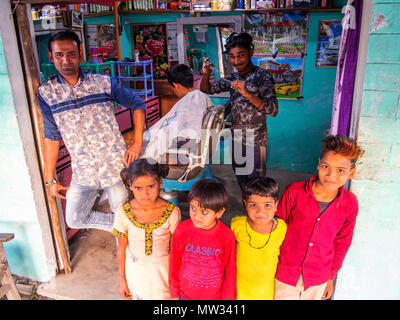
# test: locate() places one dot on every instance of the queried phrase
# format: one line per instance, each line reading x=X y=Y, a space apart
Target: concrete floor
x=93 y=252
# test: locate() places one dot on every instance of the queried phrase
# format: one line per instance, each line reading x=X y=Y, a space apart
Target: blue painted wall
x=295 y=134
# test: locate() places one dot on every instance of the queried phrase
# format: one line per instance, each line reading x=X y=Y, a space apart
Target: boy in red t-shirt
x=203 y=249
x=320 y=216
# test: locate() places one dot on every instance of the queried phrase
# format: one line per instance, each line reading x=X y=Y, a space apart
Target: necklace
x=269 y=237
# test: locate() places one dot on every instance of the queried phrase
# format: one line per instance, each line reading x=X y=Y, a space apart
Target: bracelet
x=260 y=105
x=51 y=183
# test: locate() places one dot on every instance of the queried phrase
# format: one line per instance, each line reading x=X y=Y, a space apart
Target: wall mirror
x=200 y=37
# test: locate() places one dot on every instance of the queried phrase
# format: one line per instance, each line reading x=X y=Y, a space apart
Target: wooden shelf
x=289 y=9
x=153 y=11
x=100 y=14
x=202 y=11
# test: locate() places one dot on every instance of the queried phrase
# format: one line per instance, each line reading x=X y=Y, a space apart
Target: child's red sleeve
x=284 y=206
x=343 y=240
x=229 y=286
x=174 y=264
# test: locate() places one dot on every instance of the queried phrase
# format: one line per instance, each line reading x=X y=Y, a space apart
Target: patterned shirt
x=83 y=116
x=244 y=114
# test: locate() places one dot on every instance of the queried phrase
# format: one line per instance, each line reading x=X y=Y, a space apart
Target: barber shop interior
x=295 y=46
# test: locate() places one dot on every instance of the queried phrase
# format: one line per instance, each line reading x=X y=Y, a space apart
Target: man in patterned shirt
x=78 y=107
x=252 y=98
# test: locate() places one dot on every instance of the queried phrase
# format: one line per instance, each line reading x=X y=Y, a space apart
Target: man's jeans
x=80 y=201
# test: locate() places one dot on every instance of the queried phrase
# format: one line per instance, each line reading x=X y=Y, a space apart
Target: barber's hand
x=207 y=65
x=132 y=152
x=56 y=188
x=241 y=87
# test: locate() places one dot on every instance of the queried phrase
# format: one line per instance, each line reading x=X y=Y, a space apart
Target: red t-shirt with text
x=203 y=263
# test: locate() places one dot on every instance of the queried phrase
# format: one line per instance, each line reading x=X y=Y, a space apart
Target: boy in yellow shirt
x=258 y=238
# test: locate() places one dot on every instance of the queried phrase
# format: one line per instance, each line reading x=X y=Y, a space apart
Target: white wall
x=23 y=208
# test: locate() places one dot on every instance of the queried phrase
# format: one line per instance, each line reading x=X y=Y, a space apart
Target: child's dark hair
x=261 y=186
x=181 y=74
x=242 y=39
x=64 y=35
x=342 y=145
x=140 y=168
x=210 y=194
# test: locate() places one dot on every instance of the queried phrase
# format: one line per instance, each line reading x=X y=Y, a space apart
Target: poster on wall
x=286 y=71
x=150 y=41
x=280 y=43
x=328 y=44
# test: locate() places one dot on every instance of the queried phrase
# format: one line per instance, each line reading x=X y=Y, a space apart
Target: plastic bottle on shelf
x=137 y=56
x=93 y=55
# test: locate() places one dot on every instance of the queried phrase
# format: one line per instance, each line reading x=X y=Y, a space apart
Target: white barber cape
x=184 y=120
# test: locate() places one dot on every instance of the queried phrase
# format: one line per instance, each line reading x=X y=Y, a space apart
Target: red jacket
x=203 y=263
x=315 y=244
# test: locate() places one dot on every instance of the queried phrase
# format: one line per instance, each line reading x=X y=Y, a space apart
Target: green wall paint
x=371 y=268
x=295 y=134
x=25 y=253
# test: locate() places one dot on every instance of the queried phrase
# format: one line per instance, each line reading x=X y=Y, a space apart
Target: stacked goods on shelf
x=268 y=4
x=306 y=3
x=138 y=5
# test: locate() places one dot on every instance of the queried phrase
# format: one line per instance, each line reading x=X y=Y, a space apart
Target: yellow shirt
x=256 y=267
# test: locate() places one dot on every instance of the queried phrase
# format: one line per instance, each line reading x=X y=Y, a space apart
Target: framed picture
x=77 y=19
x=328 y=43
x=280 y=42
x=149 y=40
x=160 y=5
x=287 y=73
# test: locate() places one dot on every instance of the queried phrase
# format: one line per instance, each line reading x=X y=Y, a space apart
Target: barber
x=252 y=99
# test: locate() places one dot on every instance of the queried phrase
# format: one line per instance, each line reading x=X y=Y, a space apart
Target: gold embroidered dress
x=147 y=254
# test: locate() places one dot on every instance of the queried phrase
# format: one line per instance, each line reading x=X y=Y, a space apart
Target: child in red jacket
x=203 y=249
x=320 y=216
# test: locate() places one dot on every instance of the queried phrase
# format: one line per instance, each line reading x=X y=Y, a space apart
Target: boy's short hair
x=64 y=35
x=210 y=194
x=242 y=39
x=261 y=186
x=181 y=74
x=342 y=145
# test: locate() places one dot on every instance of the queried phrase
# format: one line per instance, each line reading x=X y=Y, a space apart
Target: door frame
x=29 y=75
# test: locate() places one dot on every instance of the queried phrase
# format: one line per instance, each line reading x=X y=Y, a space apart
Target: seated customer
x=181 y=126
